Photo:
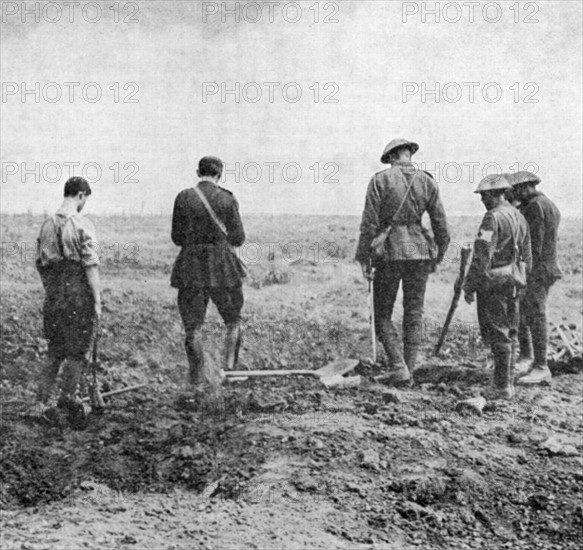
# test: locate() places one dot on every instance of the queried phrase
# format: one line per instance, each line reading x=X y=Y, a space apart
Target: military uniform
x=497 y=311
x=66 y=245
x=207 y=267
x=503 y=239
x=543 y=219
x=411 y=251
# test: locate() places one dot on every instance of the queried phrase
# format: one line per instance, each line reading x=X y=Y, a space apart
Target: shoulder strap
x=409 y=187
x=210 y=210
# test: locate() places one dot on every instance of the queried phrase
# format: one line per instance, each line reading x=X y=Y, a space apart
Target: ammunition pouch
x=508 y=276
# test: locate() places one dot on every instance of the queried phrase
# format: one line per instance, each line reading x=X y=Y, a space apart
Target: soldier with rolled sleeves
x=207 y=267
x=68 y=264
x=543 y=219
x=503 y=231
x=411 y=252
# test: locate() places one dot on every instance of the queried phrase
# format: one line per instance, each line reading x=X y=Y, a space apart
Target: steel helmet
x=399 y=142
x=516 y=178
x=491 y=182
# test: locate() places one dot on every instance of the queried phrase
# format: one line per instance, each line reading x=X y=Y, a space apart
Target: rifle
x=457 y=291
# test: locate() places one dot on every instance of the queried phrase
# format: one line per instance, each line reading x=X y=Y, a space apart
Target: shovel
x=326 y=373
x=116 y=392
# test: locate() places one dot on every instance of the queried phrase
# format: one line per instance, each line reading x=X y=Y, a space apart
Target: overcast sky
x=174 y=61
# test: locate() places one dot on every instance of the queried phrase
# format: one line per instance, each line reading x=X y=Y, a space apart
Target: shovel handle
x=259 y=373
x=117 y=392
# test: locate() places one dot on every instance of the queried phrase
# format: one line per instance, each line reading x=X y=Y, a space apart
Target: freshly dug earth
x=285 y=462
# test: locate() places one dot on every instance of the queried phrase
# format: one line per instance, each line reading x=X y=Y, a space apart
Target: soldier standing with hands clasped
x=543 y=219
x=206 y=225
x=501 y=250
x=394 y=242
x=68 y=263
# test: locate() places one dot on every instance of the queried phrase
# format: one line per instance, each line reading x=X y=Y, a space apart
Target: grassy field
x=288 y=464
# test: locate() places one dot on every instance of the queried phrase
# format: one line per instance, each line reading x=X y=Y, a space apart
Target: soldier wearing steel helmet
x=543 y=219
x=398 y=197
x=502 y=229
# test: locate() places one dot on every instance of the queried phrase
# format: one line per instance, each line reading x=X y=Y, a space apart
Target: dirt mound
x=285 y=462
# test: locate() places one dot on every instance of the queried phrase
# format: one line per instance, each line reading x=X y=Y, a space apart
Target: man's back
x=206 y=259
x=543 y=218
x=510 y=230
x=67 y=235
x=192 y=224
x=408 y=240
x=502 y=228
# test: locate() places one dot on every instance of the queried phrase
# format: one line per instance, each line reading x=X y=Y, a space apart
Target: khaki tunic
x=408 y=239
x=494 y=246
x=498 y=314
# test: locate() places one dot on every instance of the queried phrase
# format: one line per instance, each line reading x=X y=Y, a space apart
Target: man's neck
x=69 y=205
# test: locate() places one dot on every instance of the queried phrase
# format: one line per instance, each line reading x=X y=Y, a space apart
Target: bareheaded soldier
x=206 y=225
x=68 y=263
x=398 y=197
x=543 y=219
x=503 y=239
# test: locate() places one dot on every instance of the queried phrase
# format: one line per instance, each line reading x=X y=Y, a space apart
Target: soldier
x=543 y=219
x=206 y=225
x=503 y=231
x=68 y=263
x=398 y=197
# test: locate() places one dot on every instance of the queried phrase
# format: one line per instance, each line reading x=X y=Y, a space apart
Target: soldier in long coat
x=207 y=267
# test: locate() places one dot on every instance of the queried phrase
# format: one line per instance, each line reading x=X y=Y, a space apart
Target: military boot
x=232 y=346
x=195 y=355
x=411 y=355
x=538 y=374
x=539 y=340
x=525 y=357
x=399 y=373
x=503 y=386
x=204 y=376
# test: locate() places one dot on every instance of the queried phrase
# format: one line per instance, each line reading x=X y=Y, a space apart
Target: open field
x=288 y=464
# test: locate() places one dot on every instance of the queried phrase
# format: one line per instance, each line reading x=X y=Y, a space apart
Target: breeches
x=193 y=302
x=498 y=315
x=413 y=274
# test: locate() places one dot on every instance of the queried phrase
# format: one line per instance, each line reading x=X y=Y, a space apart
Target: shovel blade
x=337 y=368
